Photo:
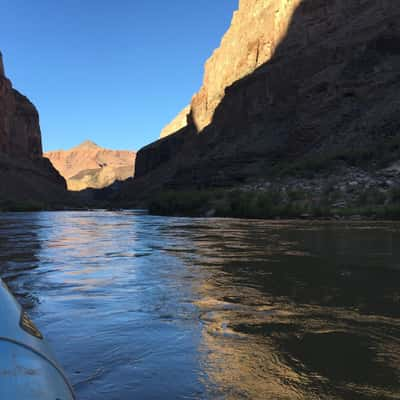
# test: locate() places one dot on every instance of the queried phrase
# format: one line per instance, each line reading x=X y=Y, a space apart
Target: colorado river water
x=144 y=307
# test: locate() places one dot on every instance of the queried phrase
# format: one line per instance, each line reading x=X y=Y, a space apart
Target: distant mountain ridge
x=90 y=166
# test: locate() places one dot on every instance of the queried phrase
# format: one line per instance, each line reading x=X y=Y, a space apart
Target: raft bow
x=28 y=369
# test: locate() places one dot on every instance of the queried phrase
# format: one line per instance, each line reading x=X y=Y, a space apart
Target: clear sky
x=113 y=71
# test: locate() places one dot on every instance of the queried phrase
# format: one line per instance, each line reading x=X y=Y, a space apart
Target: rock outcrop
x=20 y=134
x=256 y=30
x=293 y=80
x=179 y=122
x=91 y=166
x=24 y=174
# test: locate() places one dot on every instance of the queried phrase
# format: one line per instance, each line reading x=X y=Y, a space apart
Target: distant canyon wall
x=290 y=78
x=91 y=166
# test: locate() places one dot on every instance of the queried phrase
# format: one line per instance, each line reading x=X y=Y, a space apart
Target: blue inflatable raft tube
x=28 y=369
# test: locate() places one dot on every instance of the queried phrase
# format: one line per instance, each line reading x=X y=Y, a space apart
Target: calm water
x=141 y=307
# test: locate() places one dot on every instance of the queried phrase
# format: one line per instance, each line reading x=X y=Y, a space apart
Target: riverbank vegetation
x=274 y=204
x=22 y=206
x=31 y=206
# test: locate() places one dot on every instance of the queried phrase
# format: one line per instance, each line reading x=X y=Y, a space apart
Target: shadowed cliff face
x=19 y=122
x=24 y=173
x=330 y=85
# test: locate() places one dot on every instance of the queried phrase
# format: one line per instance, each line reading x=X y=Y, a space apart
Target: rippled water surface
x=142 y=307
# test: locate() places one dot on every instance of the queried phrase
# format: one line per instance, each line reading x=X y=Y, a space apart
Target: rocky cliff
x=179 y=122
x=292 y=81
x=24 y=173
x=91 y=166
x=256 y=30
x=19 y=122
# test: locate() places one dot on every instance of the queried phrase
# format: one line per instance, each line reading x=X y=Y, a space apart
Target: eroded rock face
x=24 y=174
x=291 y=80
x=256 y=30
x=91 y=166
x=179 y=122
x=20 y=134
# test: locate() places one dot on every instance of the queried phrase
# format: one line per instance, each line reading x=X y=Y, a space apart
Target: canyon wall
x=256 y=30
x=19 y=122
x=291 y=80
x=2 y=73
x=91 y=166
x=24 y=173
x=179 y=122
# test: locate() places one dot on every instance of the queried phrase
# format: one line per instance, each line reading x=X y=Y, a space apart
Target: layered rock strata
x=179 y=122
x=256 y=30
x=91 y=166
x=20 y=134
x=292 y=80
x=24 y=173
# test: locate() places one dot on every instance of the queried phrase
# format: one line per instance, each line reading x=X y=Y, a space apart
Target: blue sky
x=115 y=71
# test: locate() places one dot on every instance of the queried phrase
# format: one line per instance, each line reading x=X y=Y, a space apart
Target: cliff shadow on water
x=328 y=95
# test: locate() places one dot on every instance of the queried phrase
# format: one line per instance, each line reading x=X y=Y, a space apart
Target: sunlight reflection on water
x=137 y=306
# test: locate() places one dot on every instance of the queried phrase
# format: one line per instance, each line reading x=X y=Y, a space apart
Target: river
x=145 y=307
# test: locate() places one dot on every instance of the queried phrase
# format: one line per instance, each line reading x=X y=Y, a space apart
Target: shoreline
x=360 y=218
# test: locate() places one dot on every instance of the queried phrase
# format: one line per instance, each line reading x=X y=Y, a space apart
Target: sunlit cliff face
x=91 y=166
x=257 y=29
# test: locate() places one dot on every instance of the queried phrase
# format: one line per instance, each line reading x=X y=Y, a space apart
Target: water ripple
x=138 y=306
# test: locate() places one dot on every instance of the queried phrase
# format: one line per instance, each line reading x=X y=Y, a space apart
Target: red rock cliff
x=91 y=166
x=257 y=28
x=291 y=79
x=19 y=122
x=24 y=173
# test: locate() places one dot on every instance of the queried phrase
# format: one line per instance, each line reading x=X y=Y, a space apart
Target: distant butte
x=90 y=166
x=88 y=144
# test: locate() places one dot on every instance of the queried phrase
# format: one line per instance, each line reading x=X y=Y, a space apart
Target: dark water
x=141 y=307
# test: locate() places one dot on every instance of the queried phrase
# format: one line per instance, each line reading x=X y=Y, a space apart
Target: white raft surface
x=28 y=369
